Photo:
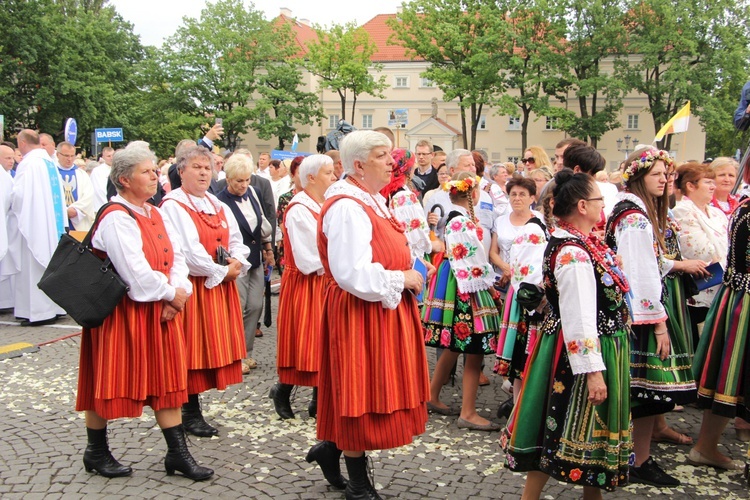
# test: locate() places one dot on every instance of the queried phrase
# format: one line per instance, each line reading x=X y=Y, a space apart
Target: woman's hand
x=663 y=346
x=268 y=259
x=596 y=387
x=234 y=270
x=692 y=266
x=431 y=270
x=180 y=298
x=168 y=312
x=413 y=281
x=433 y=219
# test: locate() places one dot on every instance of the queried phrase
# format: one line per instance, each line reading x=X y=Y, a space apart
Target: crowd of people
x=588 y=291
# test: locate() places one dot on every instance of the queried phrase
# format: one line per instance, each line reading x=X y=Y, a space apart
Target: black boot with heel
x=328 y=458
x=97 y=456
x=359 y=486
x=179 y=458
x=193 y=421
x=280 y=394
x=312 y=408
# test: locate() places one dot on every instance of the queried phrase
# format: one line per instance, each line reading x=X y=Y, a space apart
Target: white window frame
x=551 y=123
x=396 y=80
x=333 y=120
x=482 y=123
x=633 y=122
x=426 y=83
x=366 y=121
x=514 y=123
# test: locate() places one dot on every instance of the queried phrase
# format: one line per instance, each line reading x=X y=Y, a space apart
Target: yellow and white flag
x=678 y=123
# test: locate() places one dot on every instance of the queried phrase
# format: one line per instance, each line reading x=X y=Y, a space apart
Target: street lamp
x=627 y=149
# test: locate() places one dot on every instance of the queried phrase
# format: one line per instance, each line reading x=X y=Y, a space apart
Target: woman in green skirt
x=572 y=419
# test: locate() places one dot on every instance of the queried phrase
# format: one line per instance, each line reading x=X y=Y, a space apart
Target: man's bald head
x=7 y=156
x=27 y=140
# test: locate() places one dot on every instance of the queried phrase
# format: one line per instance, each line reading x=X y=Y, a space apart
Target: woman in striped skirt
x=372 y=383
x=722 y=363
x=572 y=418
x=216 y=256
x=137 y=356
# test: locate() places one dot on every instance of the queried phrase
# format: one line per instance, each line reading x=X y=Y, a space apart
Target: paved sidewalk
x=258 y=455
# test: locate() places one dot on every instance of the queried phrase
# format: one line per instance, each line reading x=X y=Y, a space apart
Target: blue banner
x=278 y=154
x=109 y=135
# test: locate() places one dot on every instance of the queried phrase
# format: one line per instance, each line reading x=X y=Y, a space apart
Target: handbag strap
x=87 y=240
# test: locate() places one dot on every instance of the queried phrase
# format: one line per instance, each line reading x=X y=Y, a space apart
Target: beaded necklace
x=398 y=226
x=731 y=201
x=206 y=220
x=600 y=252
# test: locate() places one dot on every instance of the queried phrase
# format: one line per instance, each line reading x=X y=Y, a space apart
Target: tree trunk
x=354 y=105
x=342 y=96
x=525 y=112
x=463 y=122
x=281 y=144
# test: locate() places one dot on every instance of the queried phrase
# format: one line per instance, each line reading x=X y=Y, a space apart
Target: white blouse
x=406 y=208
x=527 y=256
x=576 y=284
x=635 y=244
x=199 y=262
x=118 y=234
x=466 y=254
x=349 y=233
x=702 y=237
x=302 y=229
x=507 y=233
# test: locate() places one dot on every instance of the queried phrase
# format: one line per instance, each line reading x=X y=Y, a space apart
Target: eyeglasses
x=601 y=198
x=528 y=160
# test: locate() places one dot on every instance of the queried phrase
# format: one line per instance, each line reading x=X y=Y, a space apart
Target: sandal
x=669 y=435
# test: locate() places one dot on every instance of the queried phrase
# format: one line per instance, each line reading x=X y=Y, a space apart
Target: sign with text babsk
x=109 y=135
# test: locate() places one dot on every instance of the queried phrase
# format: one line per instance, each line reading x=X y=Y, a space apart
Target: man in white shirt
x=264 y=160
x=99 y=178
x=79 y=192
x=37 y=220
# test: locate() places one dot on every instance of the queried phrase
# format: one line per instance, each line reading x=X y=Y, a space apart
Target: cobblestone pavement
x=258 y=455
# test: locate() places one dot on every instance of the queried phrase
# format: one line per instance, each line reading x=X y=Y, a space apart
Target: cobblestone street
x=260 y=456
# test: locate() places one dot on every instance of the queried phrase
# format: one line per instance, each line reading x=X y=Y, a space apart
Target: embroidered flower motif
x=631 y=459
x=647 y=304
x=504 y=440
x=534 y=238
x=456 y=225
x=524 y=271
x=415 y=223
x=445 y=338
x=493 y=343
x=601 y=478
x=464 y=297
x=575 y=474
x=477 y=272
x=480 y=233
x=461 y=330
x=470 y=225
x=462 y=274
x=459 y=251
x=589 y=343
x=558 y=387
x=551 y=423
x=607 y=279
x=573 y=347
x=566 y=259
x=427 y=335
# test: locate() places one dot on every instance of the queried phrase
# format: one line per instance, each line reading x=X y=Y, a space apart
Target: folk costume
x=554 y=428
x=373 y=381
x=721 y=359
x=656 y=385
x=213 y=315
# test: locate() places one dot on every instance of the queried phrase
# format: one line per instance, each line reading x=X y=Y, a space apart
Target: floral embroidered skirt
x=721 y=359
x=554 y=429
x=518 y=334
x=461 y=322
x=669 y=381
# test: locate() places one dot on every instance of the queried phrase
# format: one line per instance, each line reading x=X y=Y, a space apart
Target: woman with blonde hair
x=725 y=169
x=535 y=157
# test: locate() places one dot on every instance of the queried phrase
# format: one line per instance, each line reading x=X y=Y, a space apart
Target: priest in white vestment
x=79 y=192
x=8 y=268
x=37 y=220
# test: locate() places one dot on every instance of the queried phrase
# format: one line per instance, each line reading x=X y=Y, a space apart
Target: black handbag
x=76 y=279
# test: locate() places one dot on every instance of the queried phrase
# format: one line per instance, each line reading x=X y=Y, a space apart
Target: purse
x=85 y=286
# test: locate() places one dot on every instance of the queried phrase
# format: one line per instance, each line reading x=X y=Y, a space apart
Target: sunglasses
x=528 y=160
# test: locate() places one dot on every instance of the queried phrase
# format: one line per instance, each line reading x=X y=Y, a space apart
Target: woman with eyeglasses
x=660 y=363
x=533 y=158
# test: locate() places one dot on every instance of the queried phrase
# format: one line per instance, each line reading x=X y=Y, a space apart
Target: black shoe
x=193 y=421
x=328 y=458
x=312 y=408
x=50 y=321
x=650 y=473
x=179 y=458
x=359 y=486
x=280 y=394
x=505 y=408
x=97 y=456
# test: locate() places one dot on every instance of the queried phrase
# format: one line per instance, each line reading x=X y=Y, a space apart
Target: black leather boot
x=193 y=421
x=505 y=408
x=280 y=394
x=312 y=408
x=359 y=486
x=179 y=458
x=97 y=456
x=328 y=458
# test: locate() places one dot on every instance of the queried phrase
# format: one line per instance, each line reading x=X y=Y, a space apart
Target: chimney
x=286 y=12
x=306 y=22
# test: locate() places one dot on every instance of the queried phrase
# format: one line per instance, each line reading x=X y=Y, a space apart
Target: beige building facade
x=414 y=109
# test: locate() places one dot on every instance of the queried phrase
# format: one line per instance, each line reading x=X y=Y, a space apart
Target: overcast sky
x=155 y=20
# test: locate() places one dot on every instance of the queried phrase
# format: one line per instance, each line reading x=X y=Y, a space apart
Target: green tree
x=532 y=50
x=341 y=58
x=280 y=104
x=683 y=51
x=460 y=40
x=595 y=33
x=214 y=62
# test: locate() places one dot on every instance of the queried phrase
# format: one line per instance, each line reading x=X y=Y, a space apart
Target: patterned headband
x=645 y=162
x=462 y=186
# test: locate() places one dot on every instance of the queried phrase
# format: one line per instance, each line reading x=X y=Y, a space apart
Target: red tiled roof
x=302 y=32
x=380 y=33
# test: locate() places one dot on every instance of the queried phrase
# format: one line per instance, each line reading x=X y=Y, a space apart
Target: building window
x=426 y=82
x=514 y=123
x=482 y=123
x=402 y=82
x=632 y=122
x=514 y=159
x=366 y=121
x=333 y=121
x=551 y=123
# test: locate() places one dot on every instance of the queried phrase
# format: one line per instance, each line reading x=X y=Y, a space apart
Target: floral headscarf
x=403 y=163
